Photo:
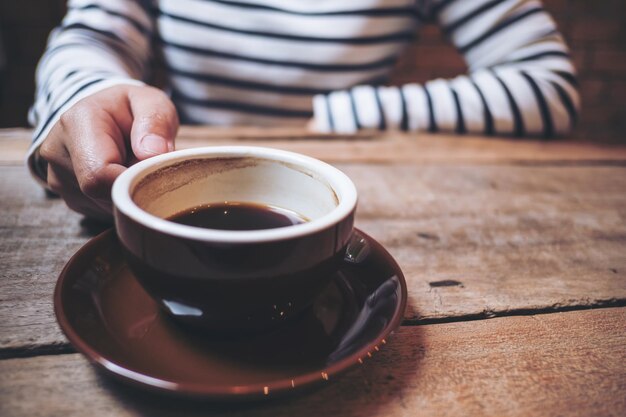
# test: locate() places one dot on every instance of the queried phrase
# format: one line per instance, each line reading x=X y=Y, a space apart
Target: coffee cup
x=233 y=281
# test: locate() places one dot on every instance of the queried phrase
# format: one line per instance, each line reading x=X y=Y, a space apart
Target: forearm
x=518 y=63
x=520 y=79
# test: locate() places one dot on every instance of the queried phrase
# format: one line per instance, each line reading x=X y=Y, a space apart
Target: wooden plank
x=390 y=147
x=515 y=239
x=394 y=147
x=14 y=144
x=564 y=364
x=37 y=236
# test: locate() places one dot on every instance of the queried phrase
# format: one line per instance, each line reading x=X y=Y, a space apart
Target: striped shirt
x=281 y=62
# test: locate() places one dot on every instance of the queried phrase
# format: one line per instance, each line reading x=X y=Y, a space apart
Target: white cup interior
x=157 y=188
x=237 y=179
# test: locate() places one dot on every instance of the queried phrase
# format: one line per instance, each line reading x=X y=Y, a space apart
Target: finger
x=54 y=181
x=87 y=208
x=97 y=151
x=66 y=185
x=53 y=149
x=155 y=122
x=73 y=191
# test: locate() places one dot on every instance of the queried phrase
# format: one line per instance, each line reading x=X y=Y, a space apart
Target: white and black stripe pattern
x=269 y=62
x=521 y=79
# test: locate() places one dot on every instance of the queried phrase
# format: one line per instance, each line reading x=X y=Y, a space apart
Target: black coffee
x=237 y=216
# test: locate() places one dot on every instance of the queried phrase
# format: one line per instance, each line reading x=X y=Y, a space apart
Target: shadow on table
x=92 y=227
x=365 y=390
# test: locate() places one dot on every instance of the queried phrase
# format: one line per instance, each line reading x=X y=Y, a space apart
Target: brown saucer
x=109 y=318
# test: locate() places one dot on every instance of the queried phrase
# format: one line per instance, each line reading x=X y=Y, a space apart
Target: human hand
x=98 y=137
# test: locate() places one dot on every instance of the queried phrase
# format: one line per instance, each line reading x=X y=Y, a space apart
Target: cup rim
x=339 y=182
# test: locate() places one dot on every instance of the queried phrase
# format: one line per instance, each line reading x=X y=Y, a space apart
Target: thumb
x=155 y=122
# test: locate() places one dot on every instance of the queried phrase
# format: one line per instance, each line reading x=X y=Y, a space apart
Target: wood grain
x=481 y=227
x=373 y=147
x=565 y=364
x=473 y=241
x=37 y=236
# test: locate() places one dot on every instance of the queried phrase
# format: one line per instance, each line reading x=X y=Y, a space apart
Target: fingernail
x=153 y=144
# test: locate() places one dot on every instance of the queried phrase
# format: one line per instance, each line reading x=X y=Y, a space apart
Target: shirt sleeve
x=99 y=44
x=520 y=80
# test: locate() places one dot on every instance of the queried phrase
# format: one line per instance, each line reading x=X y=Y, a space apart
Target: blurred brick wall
x=595 y=30
x=24 y=28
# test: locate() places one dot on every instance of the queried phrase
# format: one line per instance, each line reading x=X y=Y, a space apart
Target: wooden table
x=514 y=254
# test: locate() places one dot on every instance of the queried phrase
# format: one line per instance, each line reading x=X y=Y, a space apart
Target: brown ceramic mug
x=224 y=280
